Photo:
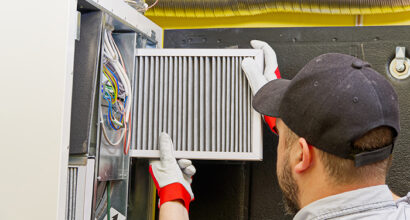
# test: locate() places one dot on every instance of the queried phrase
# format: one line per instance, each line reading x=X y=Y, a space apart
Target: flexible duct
x=227 y=8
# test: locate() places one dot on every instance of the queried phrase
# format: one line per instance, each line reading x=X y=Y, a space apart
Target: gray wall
x=249 y=190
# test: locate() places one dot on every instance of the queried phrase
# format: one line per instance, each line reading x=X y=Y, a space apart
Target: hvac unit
x=127 y=91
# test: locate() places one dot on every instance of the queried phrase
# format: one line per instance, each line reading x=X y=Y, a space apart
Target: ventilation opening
x=71 y=193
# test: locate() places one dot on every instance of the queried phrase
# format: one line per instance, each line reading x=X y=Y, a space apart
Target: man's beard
x=290 y=189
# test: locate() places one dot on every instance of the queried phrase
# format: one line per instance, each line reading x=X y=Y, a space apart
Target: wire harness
x=117 y=92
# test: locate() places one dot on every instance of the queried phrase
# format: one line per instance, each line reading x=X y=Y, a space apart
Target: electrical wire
x=120 y=69
x=118 y=94
x=127 y=140
x=110 y=142
x=156 y=2
x=140 y=8
x=112 y=82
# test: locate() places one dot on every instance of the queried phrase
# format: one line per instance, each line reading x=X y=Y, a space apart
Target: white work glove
x=257 y=78
x=172 y=179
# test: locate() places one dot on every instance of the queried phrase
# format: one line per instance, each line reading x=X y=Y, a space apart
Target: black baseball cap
x=332 y=101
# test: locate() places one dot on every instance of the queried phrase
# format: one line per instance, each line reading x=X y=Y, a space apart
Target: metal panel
x=201 y=124
x=129 y=18
x=113 y=164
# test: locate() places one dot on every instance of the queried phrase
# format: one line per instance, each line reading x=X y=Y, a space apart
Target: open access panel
x=200 y=97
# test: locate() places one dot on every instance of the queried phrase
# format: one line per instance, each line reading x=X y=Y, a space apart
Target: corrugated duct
x=227 y=8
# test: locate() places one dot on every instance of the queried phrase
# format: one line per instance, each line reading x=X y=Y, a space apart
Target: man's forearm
x=173 y=210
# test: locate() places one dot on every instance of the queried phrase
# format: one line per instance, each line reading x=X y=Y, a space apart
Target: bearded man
x=337 y=121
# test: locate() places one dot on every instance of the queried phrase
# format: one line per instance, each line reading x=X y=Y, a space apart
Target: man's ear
x=305 y=154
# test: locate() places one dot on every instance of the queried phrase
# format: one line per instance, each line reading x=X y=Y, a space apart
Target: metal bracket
x=400 y=65
x=78 y=32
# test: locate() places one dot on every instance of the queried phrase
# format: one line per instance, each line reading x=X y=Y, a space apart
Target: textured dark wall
x=221 y=191
x=294 y=47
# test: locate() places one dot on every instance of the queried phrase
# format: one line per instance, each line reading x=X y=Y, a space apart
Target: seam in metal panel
x=184 y=104
x=232 y=111
x=196 y=105
x=213 y=102
x=249 y=118
x=165 y=97
x=240 y=118
x=175 y=104
x=156 y=103
x=201 y=104
x=190 y=135
x=223 y=104
x=228 y=104
x=161 y=94
x=145 y=105
x=218 y=105
x=170 y=94
x=180 y=98
x=151 y=104
x=140 y=100
x=207 y=103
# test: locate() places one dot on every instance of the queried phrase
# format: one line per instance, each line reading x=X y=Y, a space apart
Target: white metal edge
x=66 y=114
x=257 y=134
x=128 y=15
x=80 y=191
x=89 y=189
x=199 y=52
x=198 y=155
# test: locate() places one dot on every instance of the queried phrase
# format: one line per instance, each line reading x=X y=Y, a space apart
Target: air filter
x=201 y=98
x=71 y=193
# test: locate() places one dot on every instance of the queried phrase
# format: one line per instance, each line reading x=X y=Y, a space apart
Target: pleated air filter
x=71 y=193
x=201 y=98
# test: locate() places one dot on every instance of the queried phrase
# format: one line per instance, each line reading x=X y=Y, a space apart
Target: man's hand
x=257 y=78
x=172 y=179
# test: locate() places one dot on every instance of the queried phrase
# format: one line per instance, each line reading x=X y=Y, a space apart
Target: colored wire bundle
x=116 y=90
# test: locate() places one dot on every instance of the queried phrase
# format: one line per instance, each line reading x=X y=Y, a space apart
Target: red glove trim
x=271 y=121
x=171 y=192
x=174 y=191
x=277 y=73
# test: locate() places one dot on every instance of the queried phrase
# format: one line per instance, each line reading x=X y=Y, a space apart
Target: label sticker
x=115 y=215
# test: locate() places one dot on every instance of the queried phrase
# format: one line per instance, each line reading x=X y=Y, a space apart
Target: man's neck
x=318 y=191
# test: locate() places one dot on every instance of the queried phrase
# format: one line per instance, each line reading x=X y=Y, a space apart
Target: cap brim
x=267 y=100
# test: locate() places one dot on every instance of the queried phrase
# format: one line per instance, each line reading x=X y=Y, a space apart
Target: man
x=337 y=123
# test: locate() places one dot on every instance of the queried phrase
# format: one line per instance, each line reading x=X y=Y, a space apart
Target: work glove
x=257 y=78
x=172 y=179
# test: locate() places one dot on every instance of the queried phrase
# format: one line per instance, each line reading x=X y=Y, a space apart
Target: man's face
x=287 y=182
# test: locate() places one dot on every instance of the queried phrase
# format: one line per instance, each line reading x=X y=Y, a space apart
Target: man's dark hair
x=343 y=171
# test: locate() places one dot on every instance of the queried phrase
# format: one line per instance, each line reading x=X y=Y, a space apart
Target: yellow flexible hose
x=228 y=8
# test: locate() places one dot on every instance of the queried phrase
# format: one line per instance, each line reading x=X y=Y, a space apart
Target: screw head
x=400 y=67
